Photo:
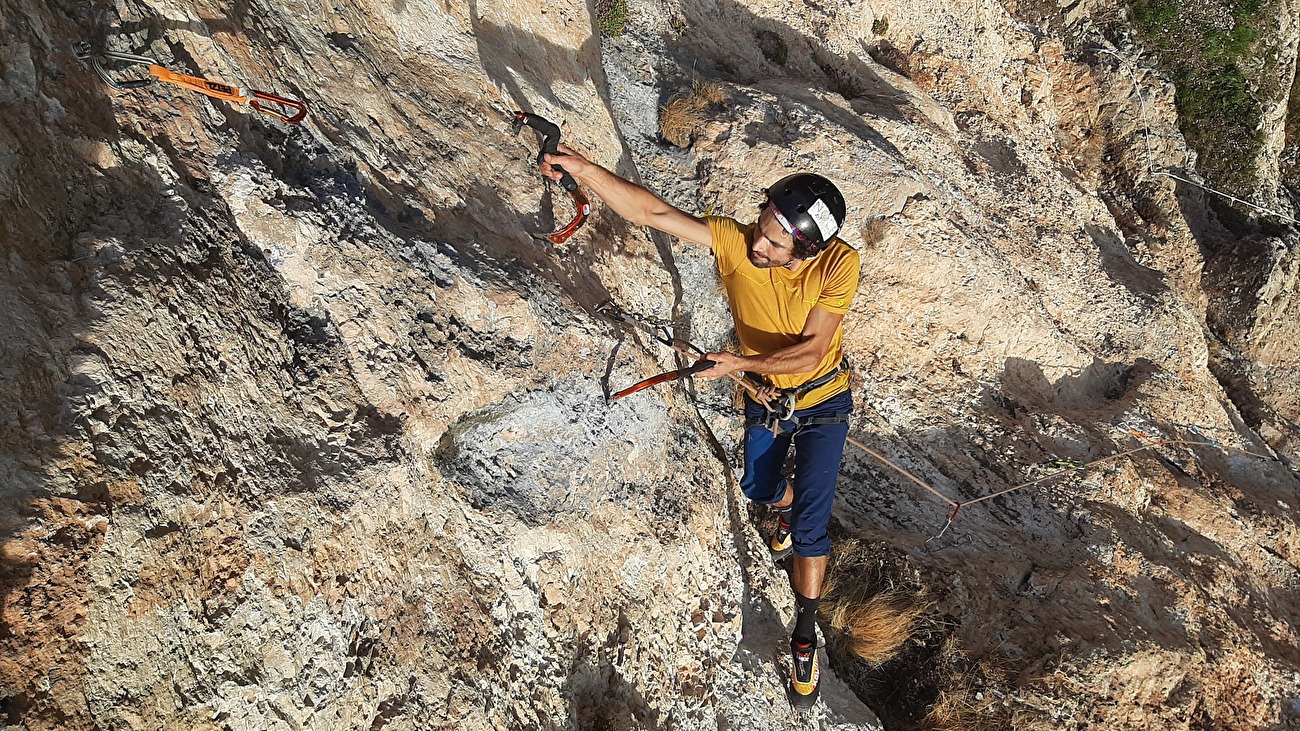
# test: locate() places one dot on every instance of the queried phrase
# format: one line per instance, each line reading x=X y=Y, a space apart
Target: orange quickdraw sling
x=272 y=105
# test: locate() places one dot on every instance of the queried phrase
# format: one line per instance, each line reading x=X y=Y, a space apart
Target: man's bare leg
x=786 y=499
x=808 y=574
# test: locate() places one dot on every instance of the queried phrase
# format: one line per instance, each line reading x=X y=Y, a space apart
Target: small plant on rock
x=611 y=17
x=684 y=115
x=874 y=231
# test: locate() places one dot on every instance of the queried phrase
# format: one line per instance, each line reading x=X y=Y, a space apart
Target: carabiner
x=82 y=50
x=282 y=101
x=583 y=209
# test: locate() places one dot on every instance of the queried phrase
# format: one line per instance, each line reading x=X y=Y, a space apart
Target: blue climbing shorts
x=818 y=449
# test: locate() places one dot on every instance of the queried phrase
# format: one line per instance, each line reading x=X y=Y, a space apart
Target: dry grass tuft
x=679 y=119
x=967 y=701
x=683 y=116
x=875 y=628
x=960 y=709
x=873 y=232
x=872 y=622
x=709 y=92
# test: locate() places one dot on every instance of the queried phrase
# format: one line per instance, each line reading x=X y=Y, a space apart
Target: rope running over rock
x=1150 y=166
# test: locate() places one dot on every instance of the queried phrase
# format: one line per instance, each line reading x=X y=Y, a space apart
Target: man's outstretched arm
x=628 y=199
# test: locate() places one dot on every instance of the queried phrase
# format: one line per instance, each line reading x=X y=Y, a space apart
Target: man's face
x=772 y=246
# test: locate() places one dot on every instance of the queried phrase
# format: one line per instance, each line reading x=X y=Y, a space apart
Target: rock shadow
x=242 y=19
x=599 y=696
x=1100 y=393
x=1118 y=262
x=485 y=236
x=788 y=62
x=50 y=523
x=527 y=66
x=1239 y=252
x=1289 y=713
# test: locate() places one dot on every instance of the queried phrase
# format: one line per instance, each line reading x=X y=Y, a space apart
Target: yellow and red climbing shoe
x=805 y=675
x=782 y=543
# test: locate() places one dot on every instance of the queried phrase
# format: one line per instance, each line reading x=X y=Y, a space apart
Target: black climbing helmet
x=811 y=208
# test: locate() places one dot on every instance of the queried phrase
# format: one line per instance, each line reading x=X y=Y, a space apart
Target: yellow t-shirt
x=771 y=306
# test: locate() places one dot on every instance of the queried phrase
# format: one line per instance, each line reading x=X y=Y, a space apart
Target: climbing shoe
x=782 y=543
x=805 y=676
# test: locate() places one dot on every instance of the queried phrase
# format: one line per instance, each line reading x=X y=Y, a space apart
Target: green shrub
x=1215 y=71
x=611 y=17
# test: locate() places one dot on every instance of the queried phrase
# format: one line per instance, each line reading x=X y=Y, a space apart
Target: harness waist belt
x=819 y=381
x=784 y=413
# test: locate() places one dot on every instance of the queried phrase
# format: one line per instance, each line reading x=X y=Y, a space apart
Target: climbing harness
x=780 y=412
x=777 y=426
x=550 y=133
x=272 y=105
x=780 y=417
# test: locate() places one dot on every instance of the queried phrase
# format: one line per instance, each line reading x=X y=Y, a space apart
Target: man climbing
x=789 y=283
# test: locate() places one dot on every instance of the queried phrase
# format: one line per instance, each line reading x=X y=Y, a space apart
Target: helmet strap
x=795 y=233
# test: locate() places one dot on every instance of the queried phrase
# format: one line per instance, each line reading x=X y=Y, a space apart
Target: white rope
x=1225 y=195
x=1142 y=104
x=1146 y=136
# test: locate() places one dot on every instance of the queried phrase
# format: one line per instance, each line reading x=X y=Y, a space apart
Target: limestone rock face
x=303 y=428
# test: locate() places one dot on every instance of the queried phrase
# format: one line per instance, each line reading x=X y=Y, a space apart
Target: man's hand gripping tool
x=550 y=145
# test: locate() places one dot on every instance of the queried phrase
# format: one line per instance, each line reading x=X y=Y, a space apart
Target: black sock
x=784 y=513
x=805 y=623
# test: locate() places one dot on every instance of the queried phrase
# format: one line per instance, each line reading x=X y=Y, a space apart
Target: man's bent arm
x=630 y=200
x=801 y=357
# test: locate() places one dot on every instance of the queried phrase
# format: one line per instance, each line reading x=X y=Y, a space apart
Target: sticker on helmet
x=824 y=219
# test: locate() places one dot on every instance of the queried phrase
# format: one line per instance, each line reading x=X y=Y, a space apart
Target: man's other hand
x=725 y=364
